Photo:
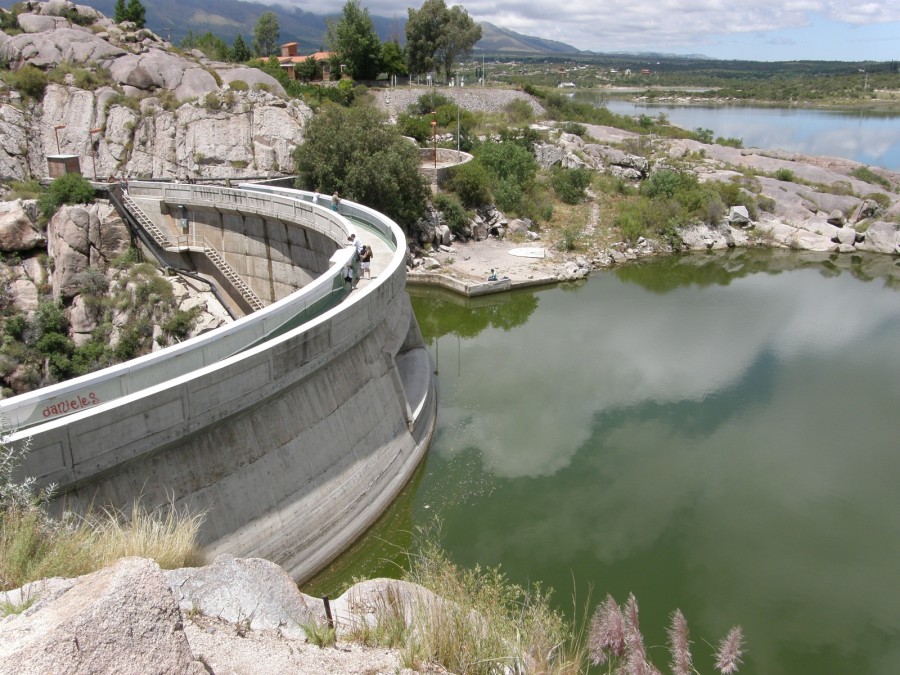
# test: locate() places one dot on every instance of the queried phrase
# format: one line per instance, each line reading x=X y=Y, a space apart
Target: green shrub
x=180 y=324
x=569 y=184
x=14 y=326
x=766 y=204
x=9 y=20
x=573 y=128
x=703 y=135
x=452 y=210
x=70 y=188
x=212 y=102
x=28 y=189
x=507 y=161
x=92 y=282
x=239 y=85
x=428 y=103
x=866 y=174
x=519 y=111
x=91 y=356
x=785 y=175
x=471 y=183
x=415 y=126
x=569 y=240
x=29 y=81
x=731 y=142
x=508 y=194
x=879 y=198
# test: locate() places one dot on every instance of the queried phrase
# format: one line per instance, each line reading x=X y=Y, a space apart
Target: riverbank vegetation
x=790 y=82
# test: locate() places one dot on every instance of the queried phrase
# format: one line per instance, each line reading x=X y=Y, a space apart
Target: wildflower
x=680 y=645
x=728 y=657
x=607 y=632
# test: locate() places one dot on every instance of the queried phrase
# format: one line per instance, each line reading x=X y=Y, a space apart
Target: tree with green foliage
x=354 y=39
x=355 y=152
x=309 y=69
x=393 y=61
x=265 y=34
x=423 y=30
x=437 y=35
x=459 y=35
x=239 y=52
x=136 y=13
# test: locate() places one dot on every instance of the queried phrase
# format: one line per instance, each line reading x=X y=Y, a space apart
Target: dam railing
x=81 y=395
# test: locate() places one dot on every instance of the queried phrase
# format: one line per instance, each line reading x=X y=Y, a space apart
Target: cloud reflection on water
x=701 y=437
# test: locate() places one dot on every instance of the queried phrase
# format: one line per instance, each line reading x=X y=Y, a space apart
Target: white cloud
x=663 y=25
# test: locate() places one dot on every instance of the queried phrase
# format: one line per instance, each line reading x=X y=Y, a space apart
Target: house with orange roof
x=289 y=60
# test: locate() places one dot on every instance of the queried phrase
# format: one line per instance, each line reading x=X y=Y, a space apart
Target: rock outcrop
x=236 y=616
x=120 y=620
x=154 y=114
x=17 y=229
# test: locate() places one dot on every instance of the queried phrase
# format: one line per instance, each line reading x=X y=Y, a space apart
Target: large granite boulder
x=121 y=620
x=83 y=236
x=17 y=231
x=49 y=48
x=881 y=237
x=254 y=77
x=228 y=587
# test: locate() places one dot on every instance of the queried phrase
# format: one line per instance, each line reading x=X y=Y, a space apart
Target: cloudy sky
x=769 y=30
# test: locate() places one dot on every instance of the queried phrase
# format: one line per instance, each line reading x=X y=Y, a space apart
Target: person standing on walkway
x=365 y=262
x=358 y=248
x=335 y=201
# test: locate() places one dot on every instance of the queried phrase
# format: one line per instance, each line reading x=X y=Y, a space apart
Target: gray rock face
x=120 y=620
x=49 y=48
x=37 y=23
x=80 y=237
x=236 y=590
x=17 y=231
x=260 y=128
x=882 y=237
x=518 y=225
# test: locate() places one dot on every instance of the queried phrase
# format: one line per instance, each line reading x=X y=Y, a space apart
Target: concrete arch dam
x=293 y=427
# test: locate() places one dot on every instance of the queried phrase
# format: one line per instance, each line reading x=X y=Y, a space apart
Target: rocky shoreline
x=240 y=616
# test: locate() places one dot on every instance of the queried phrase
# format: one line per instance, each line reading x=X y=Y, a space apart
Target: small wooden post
x=328 y=612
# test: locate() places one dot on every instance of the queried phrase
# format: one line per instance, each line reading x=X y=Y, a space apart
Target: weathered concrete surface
x=292 y=447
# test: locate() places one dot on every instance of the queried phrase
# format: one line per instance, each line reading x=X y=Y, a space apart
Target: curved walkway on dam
x=294 y=427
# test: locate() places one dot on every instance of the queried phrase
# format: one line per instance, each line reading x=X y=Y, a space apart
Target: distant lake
x=868 y=136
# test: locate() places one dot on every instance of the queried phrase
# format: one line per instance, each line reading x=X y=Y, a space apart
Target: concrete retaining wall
x=292 y=447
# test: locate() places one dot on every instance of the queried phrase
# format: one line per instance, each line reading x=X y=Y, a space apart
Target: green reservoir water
x=716 y=433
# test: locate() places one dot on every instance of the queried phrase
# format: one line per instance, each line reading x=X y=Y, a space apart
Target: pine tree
x=121 y=13
x=136 y=13
x=240 y=52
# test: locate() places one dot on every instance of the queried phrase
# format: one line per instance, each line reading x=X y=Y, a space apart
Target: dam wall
x=293 y=438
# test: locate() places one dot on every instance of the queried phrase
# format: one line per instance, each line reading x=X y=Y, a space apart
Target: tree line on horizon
x=436 y=37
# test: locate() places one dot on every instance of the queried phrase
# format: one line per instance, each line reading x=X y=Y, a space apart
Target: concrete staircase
x=193 y=244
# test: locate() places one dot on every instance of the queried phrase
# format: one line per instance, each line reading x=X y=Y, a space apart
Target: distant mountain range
x=172 y=19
